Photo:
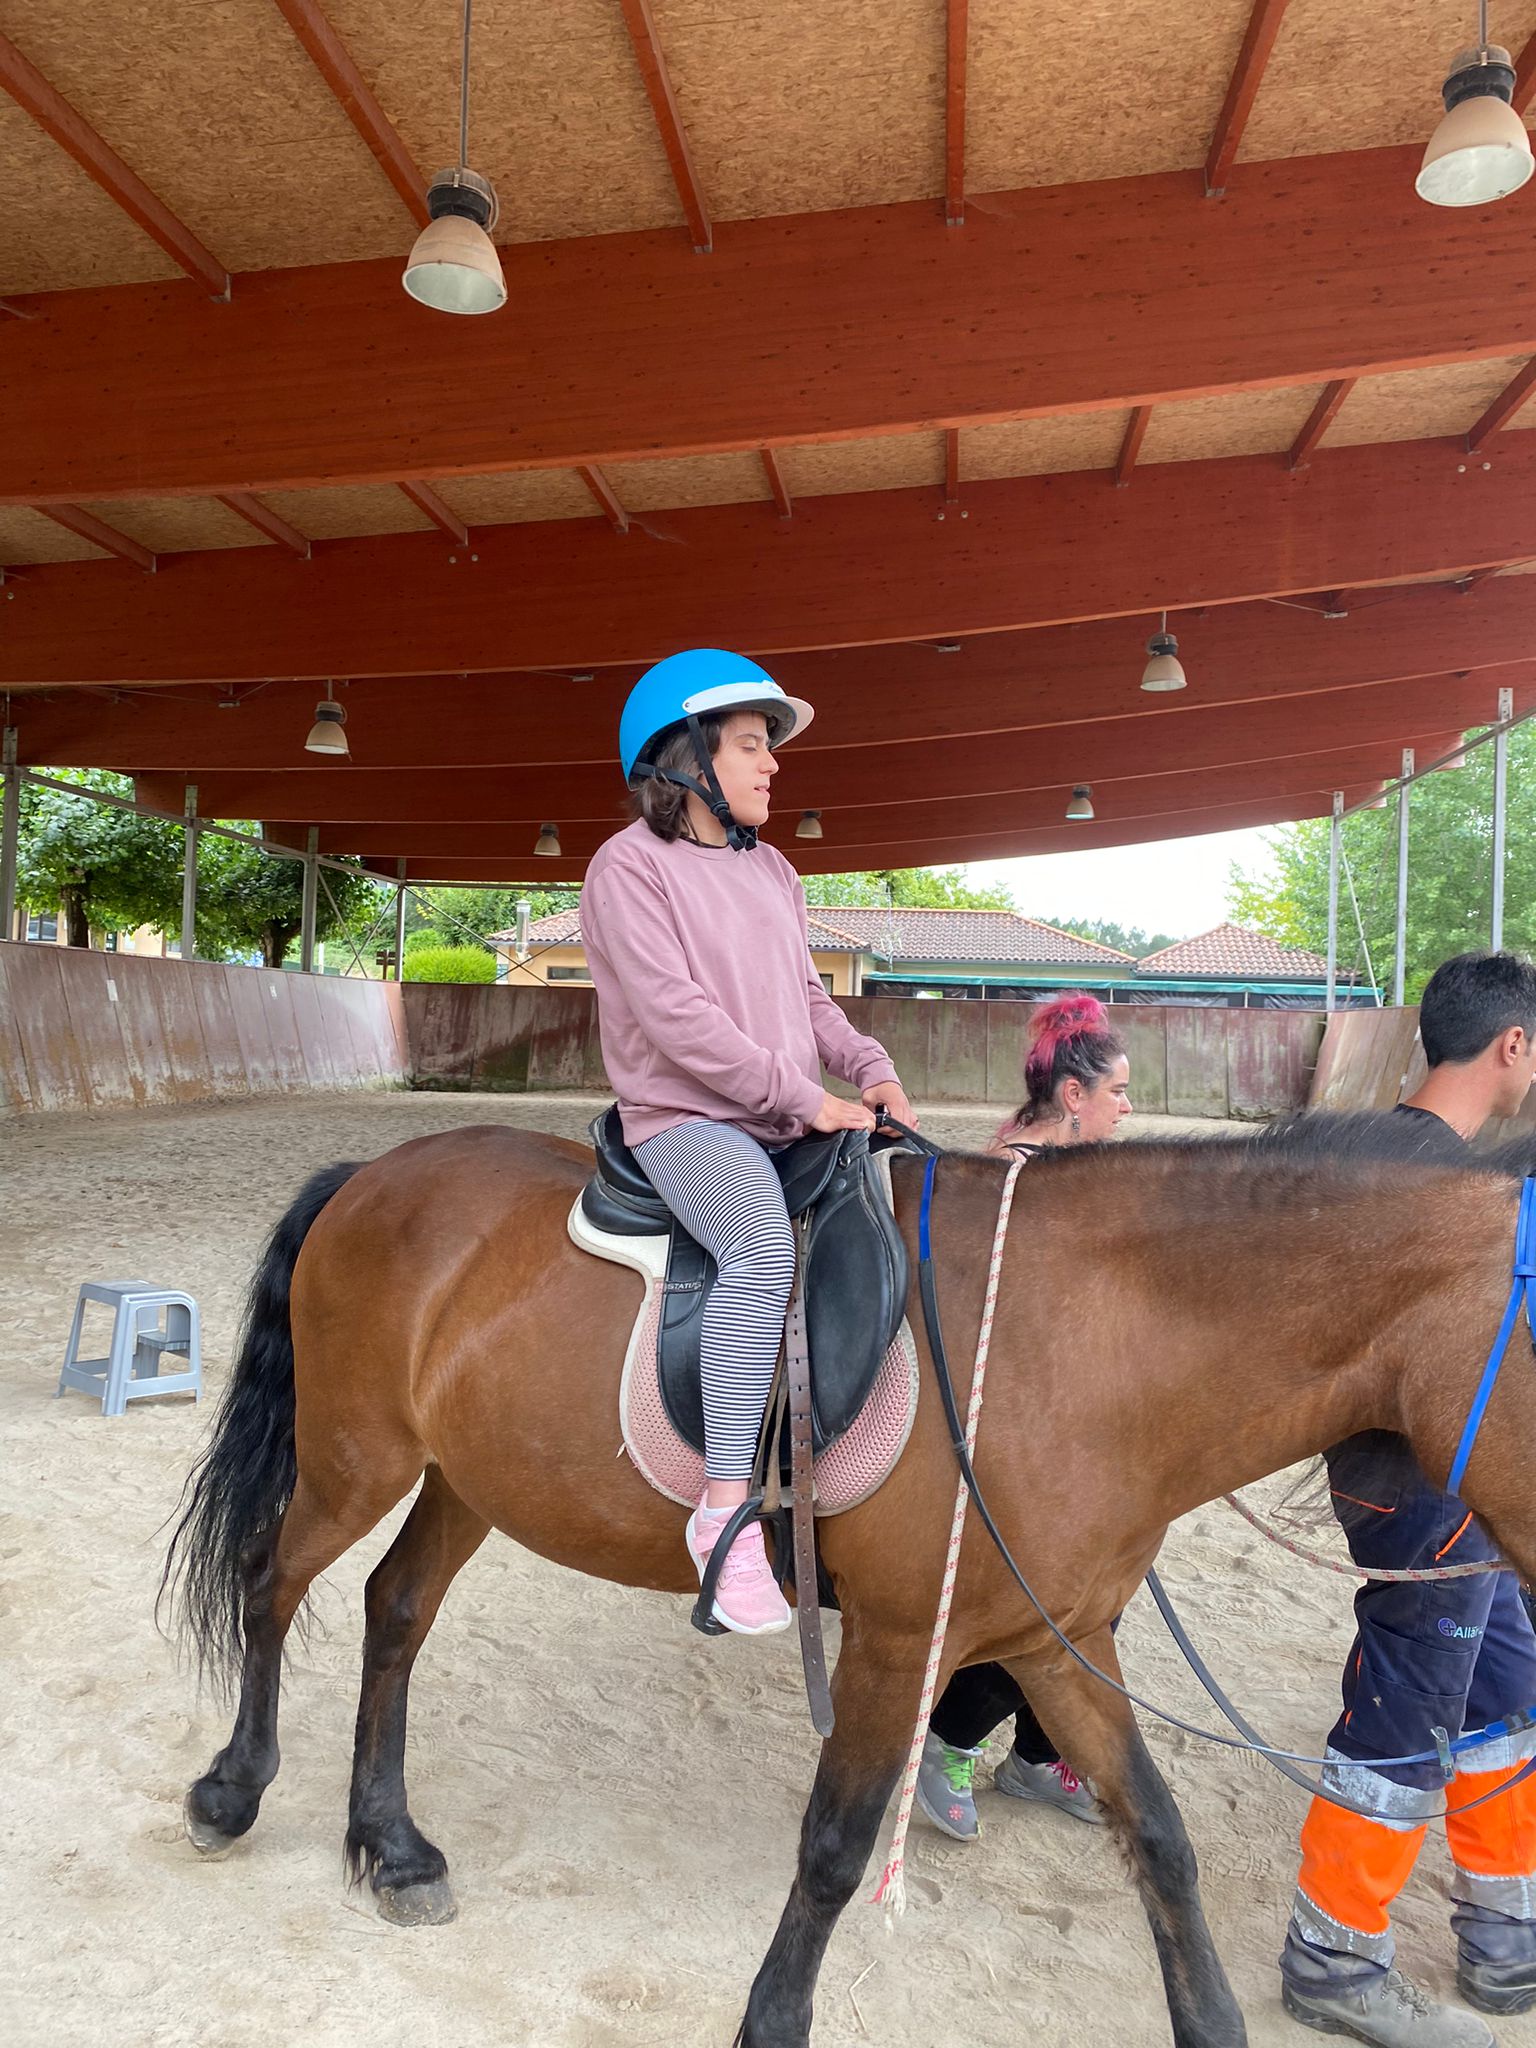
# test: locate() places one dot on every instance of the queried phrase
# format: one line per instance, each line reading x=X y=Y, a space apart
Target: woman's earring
x=1077 y=1128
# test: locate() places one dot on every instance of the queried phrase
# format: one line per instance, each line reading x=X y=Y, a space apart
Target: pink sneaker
x=747 y=1600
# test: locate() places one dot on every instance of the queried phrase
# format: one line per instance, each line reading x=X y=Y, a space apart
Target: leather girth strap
x=802 y=1497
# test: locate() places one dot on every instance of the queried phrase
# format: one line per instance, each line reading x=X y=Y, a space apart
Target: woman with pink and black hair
x=1076 y=1083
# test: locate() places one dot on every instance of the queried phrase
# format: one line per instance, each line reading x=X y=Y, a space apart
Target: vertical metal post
x=10 y=832
x=1335 y=841
x=400 y=921
x=1500 y=814
x=311 y=901
x=189 y=875
x=1400 y=961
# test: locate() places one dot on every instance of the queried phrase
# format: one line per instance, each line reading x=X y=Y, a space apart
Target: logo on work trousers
x=1457 y=1631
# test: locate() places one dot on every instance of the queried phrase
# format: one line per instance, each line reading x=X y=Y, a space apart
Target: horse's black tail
x=244 y=1477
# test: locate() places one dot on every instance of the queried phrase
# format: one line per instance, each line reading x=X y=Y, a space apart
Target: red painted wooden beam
x=951 y=465
x=1130 y=447
x=1319 y=420
x=1504 y=407
x=956 y=50
x=776 y=484
x=867 y=568
x=332 y=60
x=75 y=519
x=1000 y=683
x=53 y=113
x=641 y=24
x=1525 y=76
x=1242 y=91
x=605 y=496
x=266 y=521
x=442 y=516
x=333 y=375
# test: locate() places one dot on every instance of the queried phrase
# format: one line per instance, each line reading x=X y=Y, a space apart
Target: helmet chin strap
x=740 y=838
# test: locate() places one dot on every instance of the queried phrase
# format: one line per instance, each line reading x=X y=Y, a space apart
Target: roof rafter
x=1319 y=420
x=1504 y=407
x=1525 y=76
x=86 y=526
x=956 y=53
x=101 y=163
x=607 y=498
x=331 y=58
x=1242 y=91
x=331 y=376
x=641 y=23
x=265 y=520
x=1130 y=446
x=776 y=484
x=442 y=515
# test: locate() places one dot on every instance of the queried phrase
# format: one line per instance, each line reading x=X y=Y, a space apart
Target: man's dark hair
x=1470 y=1000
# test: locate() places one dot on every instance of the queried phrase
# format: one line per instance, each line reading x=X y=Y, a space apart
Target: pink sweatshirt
x=708 y=1001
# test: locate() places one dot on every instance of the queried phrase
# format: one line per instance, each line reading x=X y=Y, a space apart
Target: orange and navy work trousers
x=1450 y=1653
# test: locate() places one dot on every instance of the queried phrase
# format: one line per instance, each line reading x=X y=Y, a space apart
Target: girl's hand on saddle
x=891 y=1096
x=837 y=1115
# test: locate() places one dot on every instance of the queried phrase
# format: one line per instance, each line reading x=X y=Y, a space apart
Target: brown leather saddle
x=855 y=1269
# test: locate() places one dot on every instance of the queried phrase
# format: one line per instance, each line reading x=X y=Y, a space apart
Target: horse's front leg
x=874 y=1696
x=1096 y=1731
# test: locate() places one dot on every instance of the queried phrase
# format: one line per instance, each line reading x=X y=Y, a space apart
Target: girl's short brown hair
x=663 y=805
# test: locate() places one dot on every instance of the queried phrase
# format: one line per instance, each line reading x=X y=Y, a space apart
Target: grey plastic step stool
x=149 y=1325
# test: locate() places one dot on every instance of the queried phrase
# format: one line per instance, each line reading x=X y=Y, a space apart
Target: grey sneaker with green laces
x=1390 y=2011
x=1054 y=1784
x=946 y=1786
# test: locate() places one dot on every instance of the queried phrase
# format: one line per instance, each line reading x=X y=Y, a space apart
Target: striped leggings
x=721 y=1186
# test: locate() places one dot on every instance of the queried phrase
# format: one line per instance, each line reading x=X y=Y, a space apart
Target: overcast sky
x=1177 y=886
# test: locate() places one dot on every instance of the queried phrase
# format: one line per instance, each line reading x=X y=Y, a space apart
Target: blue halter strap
x=1524 y=1273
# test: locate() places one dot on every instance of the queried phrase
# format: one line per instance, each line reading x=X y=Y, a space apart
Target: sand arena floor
x=618 y=1798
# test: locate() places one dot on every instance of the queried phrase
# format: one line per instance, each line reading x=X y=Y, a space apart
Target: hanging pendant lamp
x=1081 y=805
x=809 y=826
x=1163 y=671
x=547 y=845
x=326 y=735
x=1480 y=151
x=454 y=267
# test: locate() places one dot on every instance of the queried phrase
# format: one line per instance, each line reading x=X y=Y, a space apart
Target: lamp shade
x=809 y=826
x=547 y=845
x=1480 y=151
x=326 y=735
x=1163 y=671
x=1081 y=804
x=453 y=267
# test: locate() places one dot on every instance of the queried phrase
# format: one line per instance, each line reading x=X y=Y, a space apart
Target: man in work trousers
x=1452 y=1653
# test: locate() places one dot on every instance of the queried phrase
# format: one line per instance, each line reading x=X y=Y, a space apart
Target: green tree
x=249 y=901
x=105 y=869
x=1450 y=883
x=908 y=888
x=1125 y=938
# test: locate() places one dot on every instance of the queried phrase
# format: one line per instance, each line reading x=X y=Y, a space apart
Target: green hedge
x=449 y=963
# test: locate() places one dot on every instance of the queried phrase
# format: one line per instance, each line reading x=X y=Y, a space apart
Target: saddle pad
x=847 y=1472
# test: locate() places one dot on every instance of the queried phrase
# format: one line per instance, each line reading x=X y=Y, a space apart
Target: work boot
x=1386 y=2009
x=1495 y=1959
x=1054 y=1784
x=747 y=1598
x=946 y=1787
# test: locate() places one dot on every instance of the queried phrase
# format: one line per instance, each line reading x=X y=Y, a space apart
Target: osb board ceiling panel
x=58 y=229
x=1233 y=423
x=1420 y=405
x=218 y=109
x=518 y=495
x=28 y=537
x=1074 y=440
x=174 y=525
x=1366 y=73
x=800 y=104
x=1061 y=90
x=894 y=462
x=692 y=480
x=346 y=511
x=558 y=118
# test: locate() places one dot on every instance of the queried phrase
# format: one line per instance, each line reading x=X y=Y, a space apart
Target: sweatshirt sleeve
x=862 y=1062
x=636 y=933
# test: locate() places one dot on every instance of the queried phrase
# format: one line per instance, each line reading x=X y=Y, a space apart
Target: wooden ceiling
x=834 y=331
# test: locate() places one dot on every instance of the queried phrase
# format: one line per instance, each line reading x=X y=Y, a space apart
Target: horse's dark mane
x=1363 y=1139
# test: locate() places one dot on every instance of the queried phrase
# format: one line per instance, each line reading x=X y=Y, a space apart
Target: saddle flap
x=856 y=1277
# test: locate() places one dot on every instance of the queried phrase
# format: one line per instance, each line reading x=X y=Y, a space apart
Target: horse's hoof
x=418 y=1905
x=205 y=1840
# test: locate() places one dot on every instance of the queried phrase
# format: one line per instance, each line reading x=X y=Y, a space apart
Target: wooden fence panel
x=957 y=1057
x=314 y=1024
x=221 y=1037
x=1270 y=1057
x=91 y=995
x=1144 y=1028
x=15 y=1088
x=181 y=1028
x=56 y=1077
x=1197 y=1062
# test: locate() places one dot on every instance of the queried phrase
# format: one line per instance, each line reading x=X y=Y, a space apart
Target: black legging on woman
x=976 y=1699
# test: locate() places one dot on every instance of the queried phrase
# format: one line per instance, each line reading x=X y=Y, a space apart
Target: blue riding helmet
x=699 y=680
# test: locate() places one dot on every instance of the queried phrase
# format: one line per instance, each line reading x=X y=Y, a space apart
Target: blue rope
x=1524 y=1270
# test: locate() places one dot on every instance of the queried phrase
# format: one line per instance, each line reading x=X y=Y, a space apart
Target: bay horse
x=1175 y=1320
